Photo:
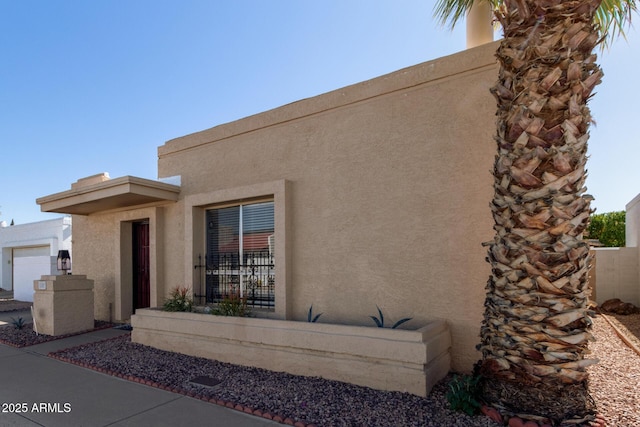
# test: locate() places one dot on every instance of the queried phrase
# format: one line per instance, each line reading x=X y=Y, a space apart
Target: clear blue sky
x=96 y=86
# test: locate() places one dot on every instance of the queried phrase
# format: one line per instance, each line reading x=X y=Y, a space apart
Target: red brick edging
x=230 y=405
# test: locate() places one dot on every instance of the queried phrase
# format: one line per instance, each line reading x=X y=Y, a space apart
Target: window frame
x=196 y=206
x=262 y=272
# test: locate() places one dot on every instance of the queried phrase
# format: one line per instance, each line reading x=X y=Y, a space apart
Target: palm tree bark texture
x=535 y=332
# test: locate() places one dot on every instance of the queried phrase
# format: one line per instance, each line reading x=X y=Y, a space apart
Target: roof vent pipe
x=479 y=24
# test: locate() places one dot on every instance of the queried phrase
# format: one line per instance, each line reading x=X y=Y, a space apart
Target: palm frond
x=451 y=12
x=448 y=11
x=614 y=18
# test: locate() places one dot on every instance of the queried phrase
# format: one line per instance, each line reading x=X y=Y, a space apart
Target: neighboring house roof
x=250 y=242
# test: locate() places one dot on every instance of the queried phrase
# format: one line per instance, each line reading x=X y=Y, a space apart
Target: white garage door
x=28 y=265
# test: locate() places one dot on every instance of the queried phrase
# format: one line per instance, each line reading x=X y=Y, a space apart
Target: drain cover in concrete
x=206 y=381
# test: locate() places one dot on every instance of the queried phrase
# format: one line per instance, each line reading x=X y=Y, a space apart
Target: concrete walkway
x=36 y=390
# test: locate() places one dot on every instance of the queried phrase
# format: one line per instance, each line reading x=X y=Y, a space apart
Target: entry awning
x=100 y=193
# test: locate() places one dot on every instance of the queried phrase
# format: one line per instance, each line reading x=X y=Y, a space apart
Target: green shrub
x=18 y=323
x=180 y=300
x=464 y=394
x=232 y=304
x=608 y=228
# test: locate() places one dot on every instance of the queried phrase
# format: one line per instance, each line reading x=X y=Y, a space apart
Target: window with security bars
x=240 y=256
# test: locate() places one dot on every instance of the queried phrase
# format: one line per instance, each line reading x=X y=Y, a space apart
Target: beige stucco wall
x=62 y=304
x=632 y=223
x=617 y=270
x=94 y=256
x=388 y=184
x=382 y=191
x=617 y=274
x=409 y=361
x=102 y=252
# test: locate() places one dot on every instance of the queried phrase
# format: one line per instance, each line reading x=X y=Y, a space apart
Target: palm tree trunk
x=535 y=332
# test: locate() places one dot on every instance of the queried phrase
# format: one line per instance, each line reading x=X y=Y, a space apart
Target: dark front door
x=141 y=285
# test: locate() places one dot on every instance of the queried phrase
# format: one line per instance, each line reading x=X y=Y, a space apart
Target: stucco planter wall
x=387 y=359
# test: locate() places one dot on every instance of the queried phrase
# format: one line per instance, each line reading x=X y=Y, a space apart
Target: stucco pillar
x=63 y=304
x=479 y=24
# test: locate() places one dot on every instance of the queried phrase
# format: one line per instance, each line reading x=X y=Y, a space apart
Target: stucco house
x=30 y=251
x=375 y=194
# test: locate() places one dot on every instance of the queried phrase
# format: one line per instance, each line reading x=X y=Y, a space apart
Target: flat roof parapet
x=93 y=179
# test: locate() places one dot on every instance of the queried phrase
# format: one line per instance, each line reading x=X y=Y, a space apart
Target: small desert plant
x=379 y=321
x=310 y=317
x=180 y=300
x=464 y=394
x=18 y=323
x=232 y=304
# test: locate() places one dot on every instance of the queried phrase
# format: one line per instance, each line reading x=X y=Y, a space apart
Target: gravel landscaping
x=14 y=337
x=614 y=386
x=9 y=335
x=307 y=400
x=615 y=381
x=316 y=401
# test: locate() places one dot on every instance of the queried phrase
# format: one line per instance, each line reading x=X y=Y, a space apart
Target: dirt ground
x=629 y=325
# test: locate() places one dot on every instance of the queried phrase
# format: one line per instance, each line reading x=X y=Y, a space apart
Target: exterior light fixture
x=64 y=261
